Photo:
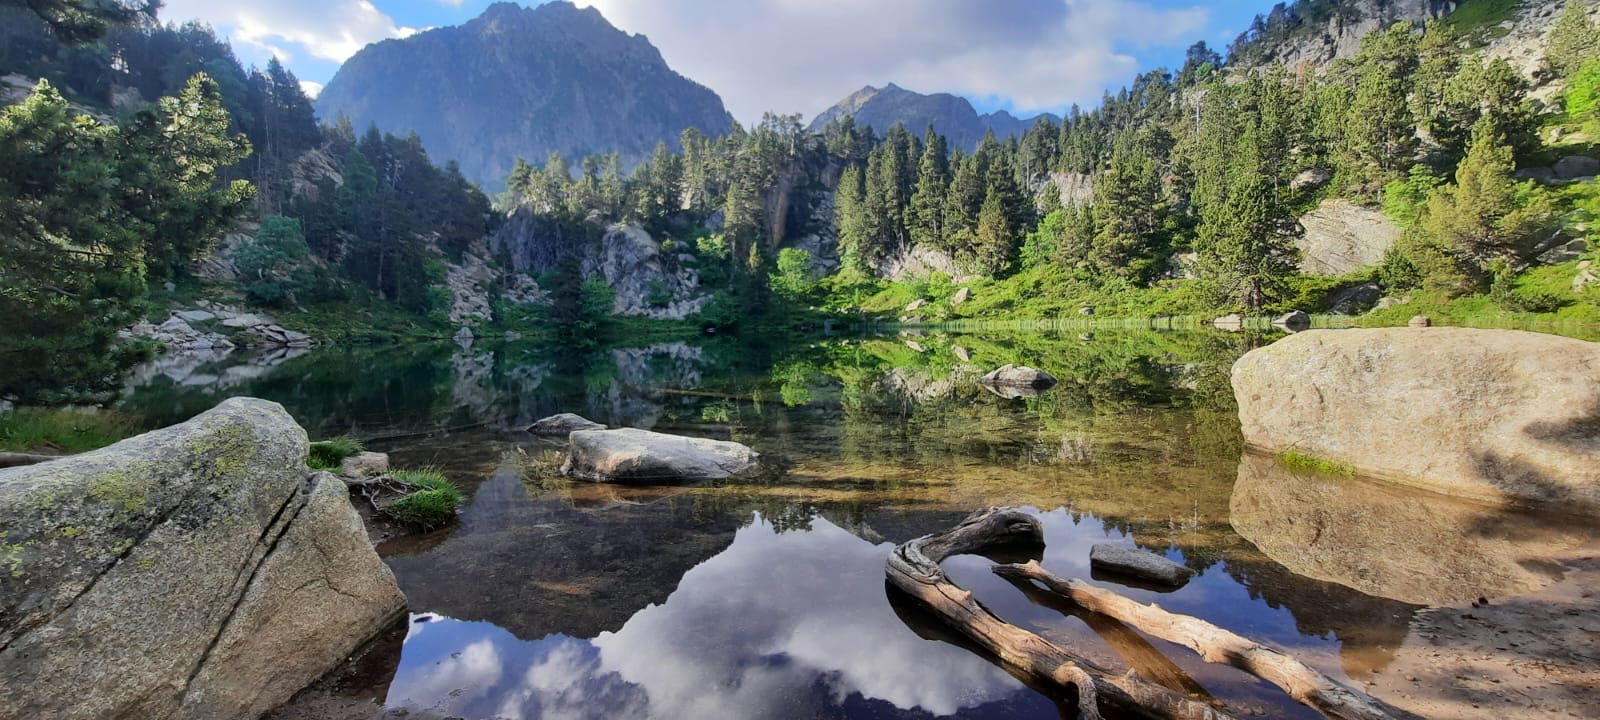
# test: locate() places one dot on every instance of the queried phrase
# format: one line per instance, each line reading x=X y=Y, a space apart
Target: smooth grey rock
x=1572 y=167
x=1356 y=300
x=1086 y=311
x=191 y=572
x=176 y=326
x=961 y=353
x=961 y=296
x=194 y=316
x=1293 y=319
x=364 y=464
x=1019 y=376
x=640 y=456
x=563 y=425
x=1136 y=563
x=1420 y=321
x=1341 y=236
x=916 y=305
x=244 y=321
x=1498 y=415
x=1231 y=323
x=1309 y=179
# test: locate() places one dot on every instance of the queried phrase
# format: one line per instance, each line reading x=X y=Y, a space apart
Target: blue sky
x=799 y=57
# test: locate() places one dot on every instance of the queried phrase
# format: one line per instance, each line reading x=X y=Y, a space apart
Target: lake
x=765 y=597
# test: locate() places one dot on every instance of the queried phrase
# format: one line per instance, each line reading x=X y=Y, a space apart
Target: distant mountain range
x=522 y=82
x=951 y=115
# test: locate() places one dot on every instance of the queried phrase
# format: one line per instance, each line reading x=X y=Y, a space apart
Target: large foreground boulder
x=1019 y=376
x=563 y=425
x=192 y=572
x=1497 y=415
x=641 y=456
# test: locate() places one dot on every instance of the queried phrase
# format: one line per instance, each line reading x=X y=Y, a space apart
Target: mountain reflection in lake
x=764 y=597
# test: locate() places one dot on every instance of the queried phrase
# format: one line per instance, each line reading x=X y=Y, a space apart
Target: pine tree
x=928 y=201
x=850 y=220
x=994 y=241
x=1574 y=40
x=1380 y=138
x=1245 y=242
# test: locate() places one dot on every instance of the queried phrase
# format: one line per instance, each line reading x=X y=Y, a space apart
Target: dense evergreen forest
x=1198 y=179
x=144 y=144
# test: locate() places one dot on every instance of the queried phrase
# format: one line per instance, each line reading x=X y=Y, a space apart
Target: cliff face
x=522 y=82
x=1317 y=41
x=952 y=116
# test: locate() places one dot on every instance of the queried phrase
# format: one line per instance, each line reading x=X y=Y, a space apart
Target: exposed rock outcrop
x=1341 y=236
x=1019 y=376
x=631 y=263
x=1498 y=415
x=641 y=456
x=921 y=261
x=192 y=572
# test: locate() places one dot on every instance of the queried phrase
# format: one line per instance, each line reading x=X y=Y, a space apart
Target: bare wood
x=913 y=568
x=1216 y=645
x=1134 y=649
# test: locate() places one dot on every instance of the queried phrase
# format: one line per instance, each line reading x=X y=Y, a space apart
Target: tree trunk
x=1216 y=645
x=914 y=569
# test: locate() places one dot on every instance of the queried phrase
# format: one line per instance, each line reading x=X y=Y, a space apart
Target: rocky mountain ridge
x=522 y=82
x=951 y=115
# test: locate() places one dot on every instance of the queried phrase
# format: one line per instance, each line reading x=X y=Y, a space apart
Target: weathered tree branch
x=913 y=568
x=1216 y=645
x=10 y=459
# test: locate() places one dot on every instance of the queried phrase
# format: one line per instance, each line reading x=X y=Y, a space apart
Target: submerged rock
x=563 y=425
x=192 y=572
x=640 y=456
x=1019 y=376
x=1395 y=542
x=1499 y=415
x=1138 y=564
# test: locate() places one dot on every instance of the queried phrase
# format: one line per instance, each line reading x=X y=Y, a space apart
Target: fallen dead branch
x=1216 y=645
x=914 y=569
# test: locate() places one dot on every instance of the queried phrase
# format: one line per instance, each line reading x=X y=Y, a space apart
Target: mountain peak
x=523 y=82
x=951 y=115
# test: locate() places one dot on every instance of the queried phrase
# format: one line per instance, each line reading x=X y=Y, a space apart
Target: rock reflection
x=1393 y=542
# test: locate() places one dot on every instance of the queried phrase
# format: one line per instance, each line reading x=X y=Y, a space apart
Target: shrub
x=329 y=454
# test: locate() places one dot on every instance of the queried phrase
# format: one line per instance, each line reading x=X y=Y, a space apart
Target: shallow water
x=765 y=597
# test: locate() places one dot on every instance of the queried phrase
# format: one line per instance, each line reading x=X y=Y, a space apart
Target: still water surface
x=765 y=597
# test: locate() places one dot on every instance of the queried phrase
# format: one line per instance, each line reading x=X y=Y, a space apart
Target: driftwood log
x=1216 y=645
x=913 y=568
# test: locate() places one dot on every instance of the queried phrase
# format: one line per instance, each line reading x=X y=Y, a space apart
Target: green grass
x=1305 y=461
x=53 y=430
x=329 y=454
x=432 y=504
x=1475 y=17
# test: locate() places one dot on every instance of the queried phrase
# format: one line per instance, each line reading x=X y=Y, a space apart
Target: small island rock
x=563 y=425
x=1140 y=564
x=640 y=456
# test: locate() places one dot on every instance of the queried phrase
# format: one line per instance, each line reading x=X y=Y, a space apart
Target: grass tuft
x=1305 y=461
x=432 y=504
x=329 y=454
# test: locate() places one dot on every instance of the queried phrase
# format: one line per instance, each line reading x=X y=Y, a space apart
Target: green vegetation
x=1306 y=461
x=64 y=430
x=431 y=503
x=330 y=454
x=1482 y=16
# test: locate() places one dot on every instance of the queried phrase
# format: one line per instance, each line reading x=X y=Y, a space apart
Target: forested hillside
x=1183 y=192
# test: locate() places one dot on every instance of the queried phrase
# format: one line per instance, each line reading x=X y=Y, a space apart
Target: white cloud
x=326 y=29
x=312 y=89
x=803 y=55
